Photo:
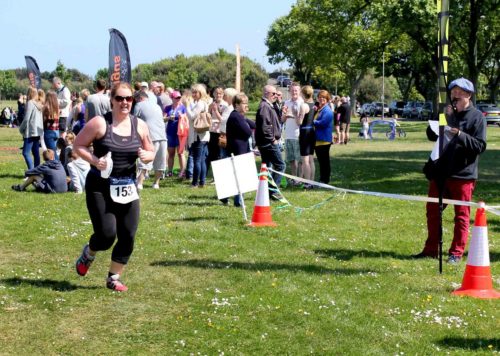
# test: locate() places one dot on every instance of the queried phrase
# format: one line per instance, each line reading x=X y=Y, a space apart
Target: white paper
x=447 y=137
x=225 y=180
x=434 y=124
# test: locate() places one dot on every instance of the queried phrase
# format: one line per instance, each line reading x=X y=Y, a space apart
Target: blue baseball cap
x=462 y=83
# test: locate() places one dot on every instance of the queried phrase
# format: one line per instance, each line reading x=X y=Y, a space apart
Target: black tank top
x=123 y=148
x=307 y=123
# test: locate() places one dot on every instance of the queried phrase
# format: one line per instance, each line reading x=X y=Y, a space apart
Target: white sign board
x=225 y=176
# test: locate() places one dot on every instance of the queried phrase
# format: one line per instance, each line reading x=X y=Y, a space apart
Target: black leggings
x=213 y=149
x=323 y=155
x=111 y=220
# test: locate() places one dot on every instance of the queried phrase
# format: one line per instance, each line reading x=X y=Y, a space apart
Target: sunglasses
x=273 y=94
x=120 y=98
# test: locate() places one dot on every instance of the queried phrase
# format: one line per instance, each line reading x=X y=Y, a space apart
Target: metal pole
x=383 y=83
x=239 y=191
x=238 y=69
x=443 y=17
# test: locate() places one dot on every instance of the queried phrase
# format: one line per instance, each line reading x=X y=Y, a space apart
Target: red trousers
x=456 y=189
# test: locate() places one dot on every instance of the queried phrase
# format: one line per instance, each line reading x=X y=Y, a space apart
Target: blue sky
x=76 y=32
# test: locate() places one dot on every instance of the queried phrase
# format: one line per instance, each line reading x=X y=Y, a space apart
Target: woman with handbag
x=199 y=135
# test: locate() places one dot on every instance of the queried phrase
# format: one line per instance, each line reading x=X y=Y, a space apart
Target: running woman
x=118 y=139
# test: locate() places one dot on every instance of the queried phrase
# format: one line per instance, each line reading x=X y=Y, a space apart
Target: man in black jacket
x=456 y=171
x=268 y=134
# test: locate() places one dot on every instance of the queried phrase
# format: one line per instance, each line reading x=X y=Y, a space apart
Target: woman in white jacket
x=198 y=140
x=32 y=129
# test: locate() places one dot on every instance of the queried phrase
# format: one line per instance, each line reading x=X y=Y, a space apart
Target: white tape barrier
x=493 y=209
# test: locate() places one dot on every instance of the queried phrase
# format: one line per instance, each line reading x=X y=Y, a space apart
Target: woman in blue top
x=171 y=116
x=323 y=125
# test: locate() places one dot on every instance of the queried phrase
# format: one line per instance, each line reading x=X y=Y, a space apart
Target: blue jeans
x=31 y=145
x=236 y=200
x=189 y=164
x=271 y=156
x=223 y=153
x=50 y=137
x=200 y=152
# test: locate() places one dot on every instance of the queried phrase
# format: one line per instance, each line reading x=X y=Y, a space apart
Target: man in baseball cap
x=455 y=173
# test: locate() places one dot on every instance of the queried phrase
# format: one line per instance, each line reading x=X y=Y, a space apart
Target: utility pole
x=383 y=83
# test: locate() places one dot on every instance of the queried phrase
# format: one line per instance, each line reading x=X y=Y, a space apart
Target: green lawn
x=337 y=279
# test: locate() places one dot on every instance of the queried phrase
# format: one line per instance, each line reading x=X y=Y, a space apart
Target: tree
x=343 y=36
x=287 y=40
x=7 y=84
x=102 y=73
x=213 y=70
x=475 y=34
x=61 y=72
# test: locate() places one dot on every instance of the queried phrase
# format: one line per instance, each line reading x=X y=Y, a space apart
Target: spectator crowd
x=189 y=126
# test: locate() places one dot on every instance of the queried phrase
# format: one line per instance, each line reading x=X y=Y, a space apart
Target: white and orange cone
x=477 y=280
x=262 y=210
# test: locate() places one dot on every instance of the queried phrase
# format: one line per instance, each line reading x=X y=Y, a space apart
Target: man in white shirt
x=292 y=116
x=64 y=100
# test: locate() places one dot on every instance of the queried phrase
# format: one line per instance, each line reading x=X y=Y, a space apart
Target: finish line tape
x=493 y=209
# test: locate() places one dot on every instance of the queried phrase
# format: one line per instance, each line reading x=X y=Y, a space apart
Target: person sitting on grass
x=48 y=177
x=78 y=169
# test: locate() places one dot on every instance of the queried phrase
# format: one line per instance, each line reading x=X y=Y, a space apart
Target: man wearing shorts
x=292 y=117
x=64 y=101
x=151 y=113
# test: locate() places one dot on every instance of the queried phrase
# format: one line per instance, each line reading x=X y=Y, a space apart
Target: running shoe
x=84 y=262
x=113 y=282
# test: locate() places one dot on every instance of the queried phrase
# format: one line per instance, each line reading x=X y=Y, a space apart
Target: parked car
x=490 y=112
x=425 y=112
x=396 y=108
x=365 y=109
x=284 y=80
x=376 y=109
x=410 y=110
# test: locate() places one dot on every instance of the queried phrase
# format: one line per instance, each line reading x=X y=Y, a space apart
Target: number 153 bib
x=122 y=190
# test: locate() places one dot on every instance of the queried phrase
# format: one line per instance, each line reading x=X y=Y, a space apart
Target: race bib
x=122 y=190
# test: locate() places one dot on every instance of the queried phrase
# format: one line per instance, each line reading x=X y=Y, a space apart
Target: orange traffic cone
x=477 y=281
x=262 y=210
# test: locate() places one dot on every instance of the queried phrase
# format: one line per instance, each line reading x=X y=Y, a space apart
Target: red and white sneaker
x=113 y=282
x=84 y=262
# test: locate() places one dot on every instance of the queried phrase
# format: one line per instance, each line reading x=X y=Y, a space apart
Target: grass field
x=337 y=279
